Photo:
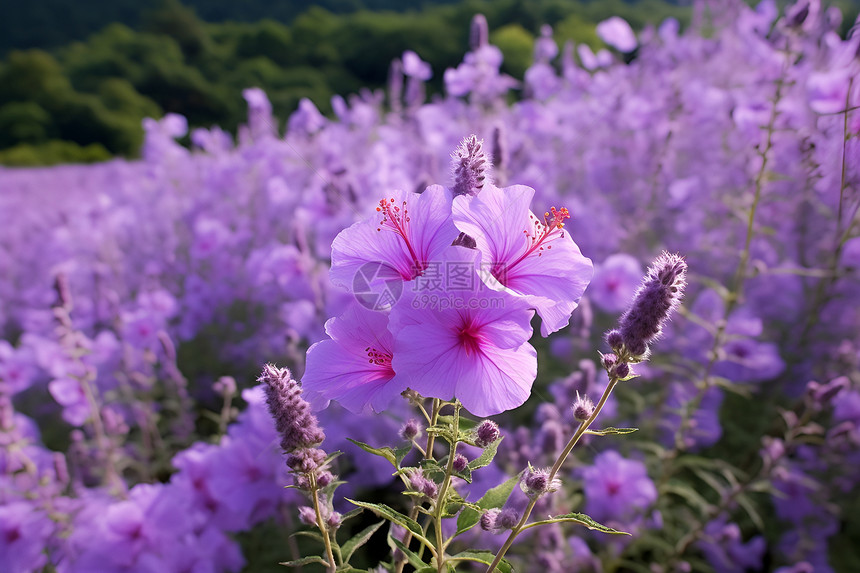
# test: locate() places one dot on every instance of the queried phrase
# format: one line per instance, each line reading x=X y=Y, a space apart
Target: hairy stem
x=555 y=468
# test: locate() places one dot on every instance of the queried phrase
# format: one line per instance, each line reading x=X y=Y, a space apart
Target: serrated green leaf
x=410 y=555
x=385 y=452
x=494 y=498
x=486 y=457
x=485 y=557
x=305 y=561
x=392 y=515
x=348 y=548
x=581 y=519
x=612 y=431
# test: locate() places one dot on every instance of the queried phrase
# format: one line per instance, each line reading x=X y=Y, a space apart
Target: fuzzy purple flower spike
x=470 y=166
x=658 y=296
x=298 y=427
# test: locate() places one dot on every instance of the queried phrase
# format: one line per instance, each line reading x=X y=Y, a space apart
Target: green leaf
x=313 y=535
x=350 y=514
x=433 y=469
x=485 y=557
x=411 y=556
x=612 y=431
x=747 y=504
x=692 y=497
x=486 y=457
x=394 y=516
x=581 y=519
x=495 y=497
x=385 y=452
x=465 y=424
x=305 y=561
x=348 y=548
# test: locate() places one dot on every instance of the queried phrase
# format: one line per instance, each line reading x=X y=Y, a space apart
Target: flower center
x=542 y=233
x=381 y=359
x=469 y=338
x=612 y=487
x=396 y=218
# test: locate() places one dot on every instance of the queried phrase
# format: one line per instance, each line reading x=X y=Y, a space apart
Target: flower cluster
x=137 y=297
x=459 y=325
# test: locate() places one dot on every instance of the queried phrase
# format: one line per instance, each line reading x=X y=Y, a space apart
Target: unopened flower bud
x=614 y=339
x=410 y=430
x=460 y=462
x=334 y=520
x=307 y=515
x=621 y=370
x=608 y=360
x=226 y=386
x=324 y=478
x=419 y=482
x=583 y=408
x=487 y=432
x=507 y=518
x=537 y=482
x=488 y=519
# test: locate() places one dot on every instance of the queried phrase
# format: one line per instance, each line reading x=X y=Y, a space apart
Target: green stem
x=613 y=381
x=324 y=530
x=443 y=490
x=428 y=455
x=734 y=295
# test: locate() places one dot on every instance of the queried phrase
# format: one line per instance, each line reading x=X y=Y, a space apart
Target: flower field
x=604 y=317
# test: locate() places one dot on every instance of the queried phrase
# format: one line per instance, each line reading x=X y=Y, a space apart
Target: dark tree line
x=84 y=101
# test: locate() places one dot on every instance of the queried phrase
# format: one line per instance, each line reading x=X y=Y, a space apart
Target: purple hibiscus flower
x=531 y=258
x=354 y=365
x=461 y=340
x=408 y=231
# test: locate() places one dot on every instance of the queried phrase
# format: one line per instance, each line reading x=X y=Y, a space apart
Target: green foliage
x=52 y=152
x=98 y=91
x=517 y=45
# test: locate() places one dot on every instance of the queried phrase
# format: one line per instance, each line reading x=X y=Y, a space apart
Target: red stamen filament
x=397 y=219
x=470 y=338
x=543 y=232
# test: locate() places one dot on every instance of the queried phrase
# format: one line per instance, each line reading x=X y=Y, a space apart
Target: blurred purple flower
x=617 y=33
x=616 y=488
x=615 y=282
